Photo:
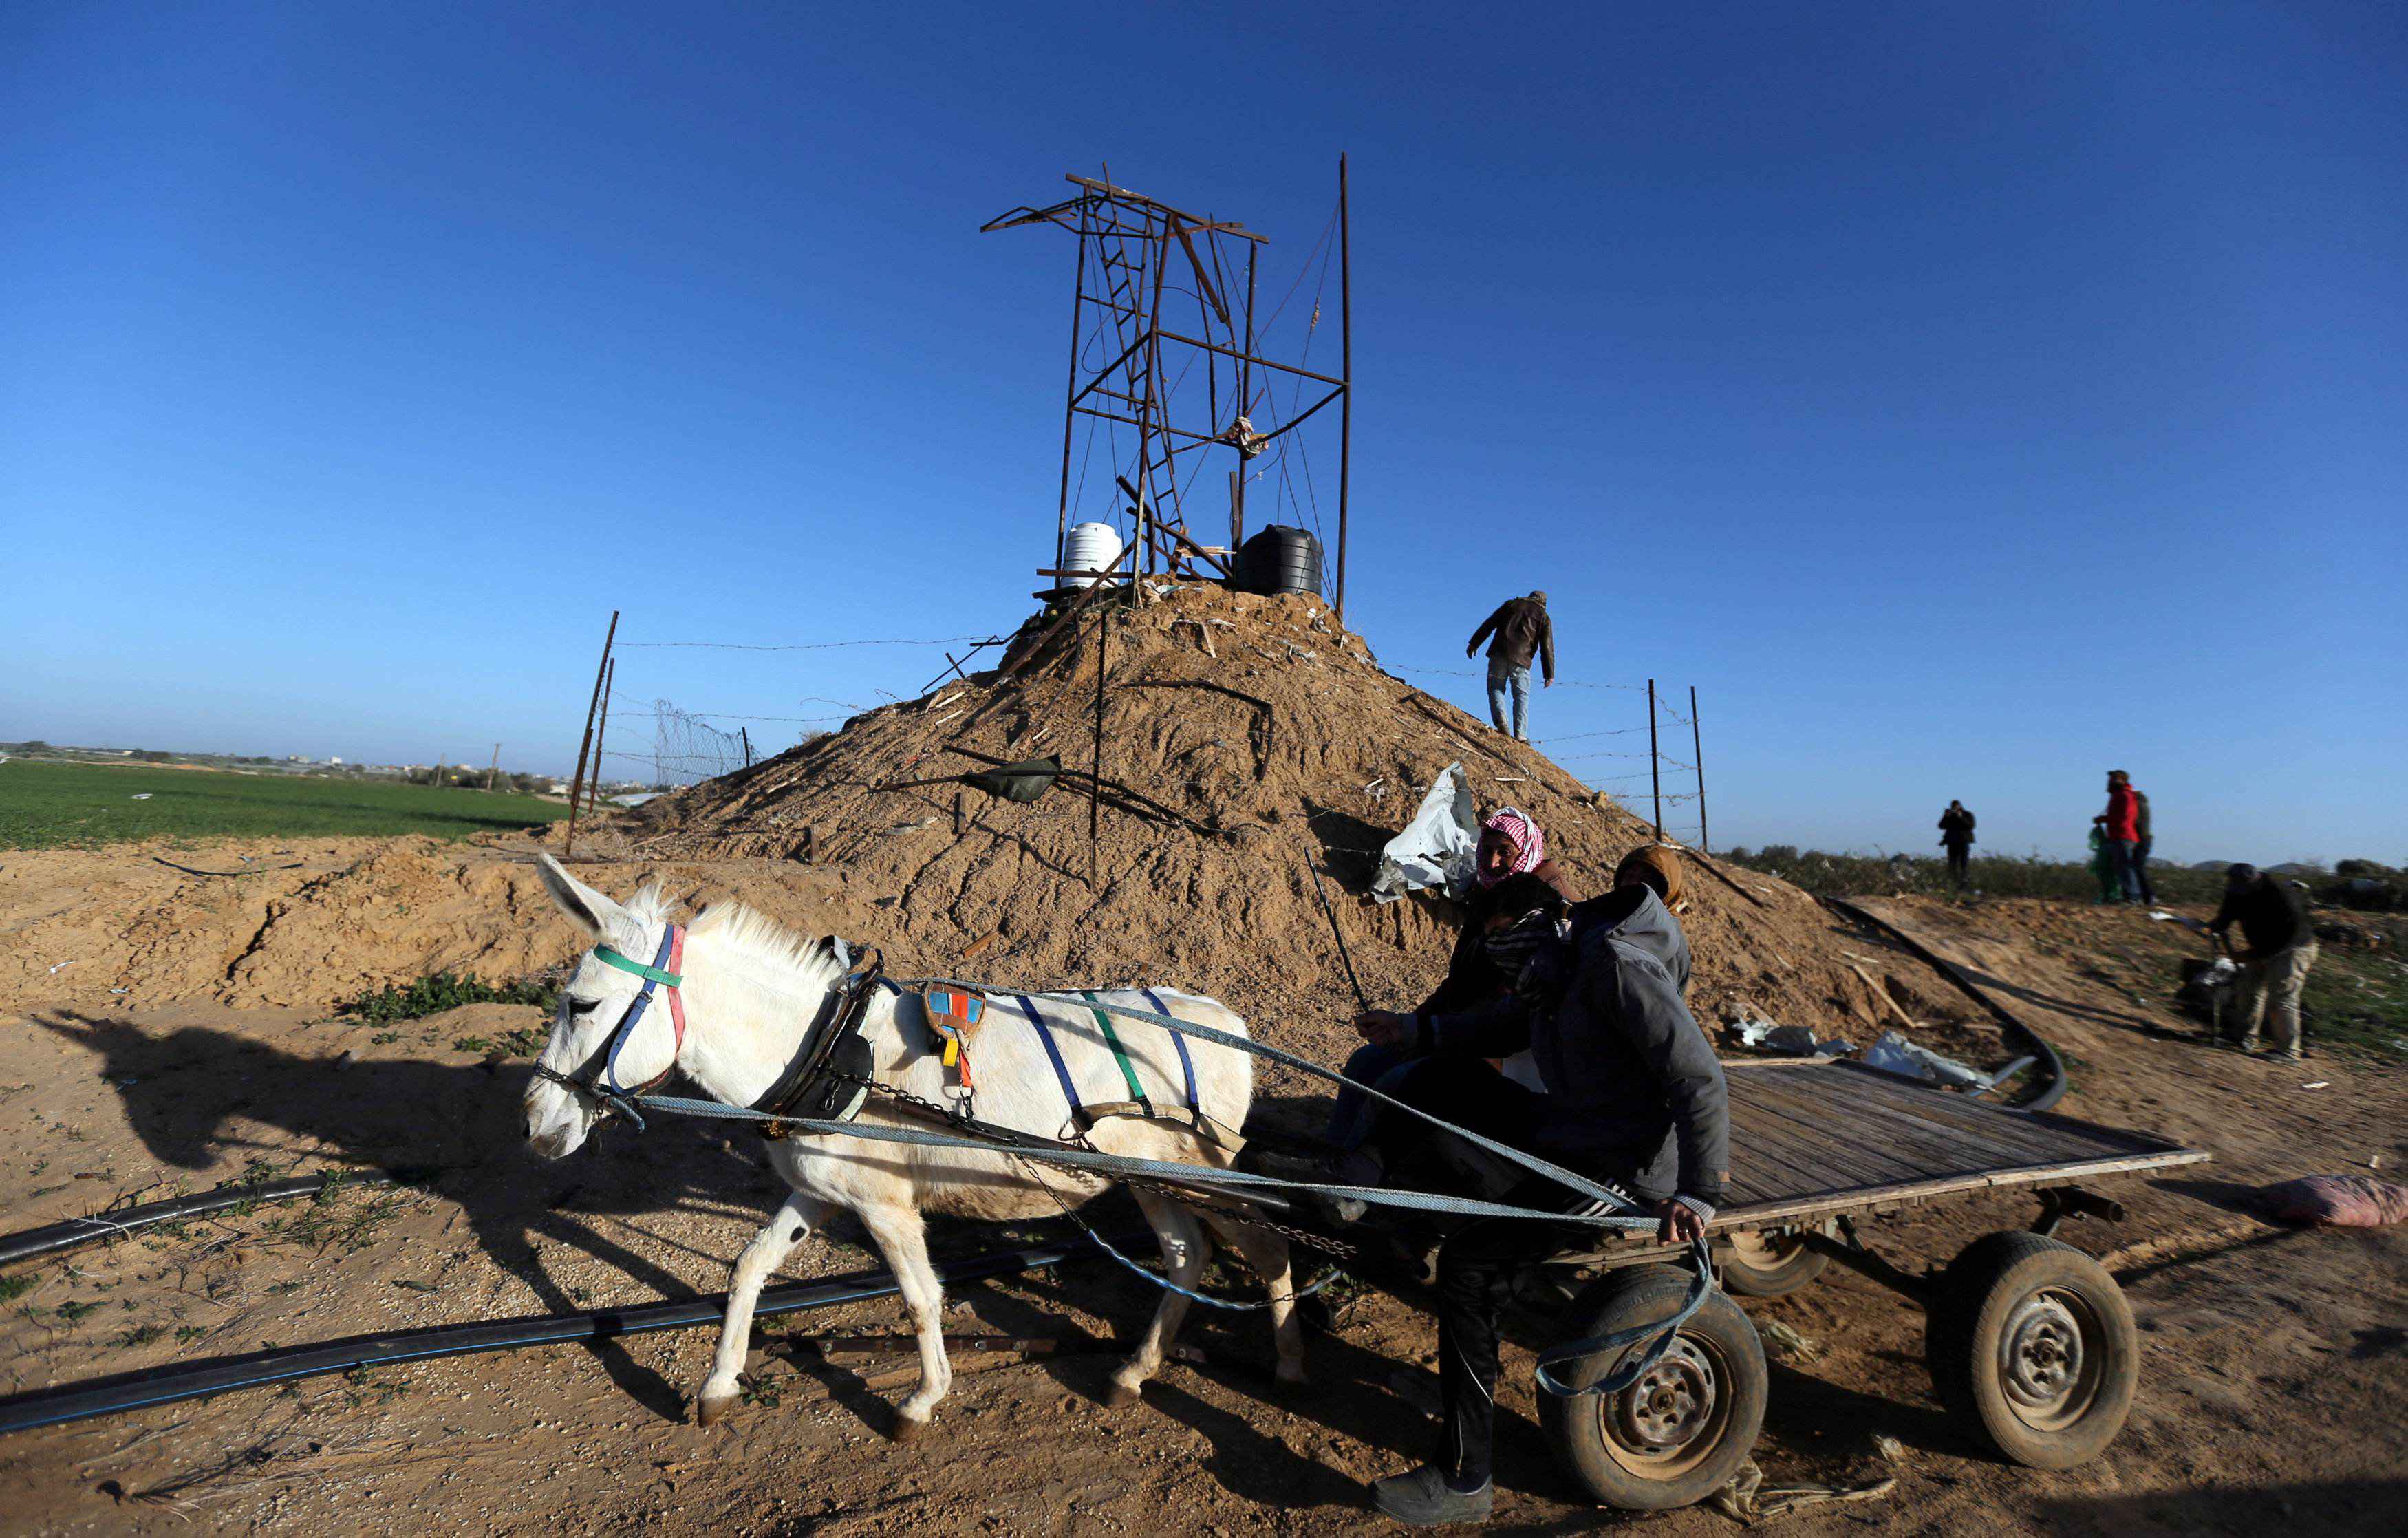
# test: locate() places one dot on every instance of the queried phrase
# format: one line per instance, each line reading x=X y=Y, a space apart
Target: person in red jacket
x=2121 y=821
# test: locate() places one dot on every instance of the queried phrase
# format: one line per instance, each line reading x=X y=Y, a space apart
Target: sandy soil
x=2272 y=1388
x=194 y=1036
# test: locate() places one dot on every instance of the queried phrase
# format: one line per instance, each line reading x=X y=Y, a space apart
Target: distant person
x=2282 y=947
x=2102 y=865
x=2141 y=850
x=1523 y=630
x=2121 y=824
x=1956 y=837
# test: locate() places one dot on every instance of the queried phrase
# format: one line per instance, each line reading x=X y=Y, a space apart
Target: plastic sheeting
x=1438 y=848
x=1897 y=1054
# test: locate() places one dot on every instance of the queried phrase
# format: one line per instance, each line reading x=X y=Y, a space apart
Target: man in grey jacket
x=1634 y=1095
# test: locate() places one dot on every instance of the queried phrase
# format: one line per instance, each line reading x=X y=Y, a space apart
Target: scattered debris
x=2320 y=1084
x=55 y=971
x=1438 y=847
x=1889 y=1448
x=1749 y=1028
x=1788 y=1344
x=1895 y=1054
x=1746 y=1501
x=144 y=796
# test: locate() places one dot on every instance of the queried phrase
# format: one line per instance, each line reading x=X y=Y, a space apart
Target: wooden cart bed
x=1814 y=1137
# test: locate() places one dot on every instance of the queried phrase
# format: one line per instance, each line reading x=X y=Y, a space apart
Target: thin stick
x=569 y=847
x=1360 y=1001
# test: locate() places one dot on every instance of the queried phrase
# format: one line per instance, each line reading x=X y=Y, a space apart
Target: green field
x=80 y=806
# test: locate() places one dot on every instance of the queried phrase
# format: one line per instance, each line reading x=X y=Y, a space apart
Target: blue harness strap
x=1054 y=1055
x=1186 y=1064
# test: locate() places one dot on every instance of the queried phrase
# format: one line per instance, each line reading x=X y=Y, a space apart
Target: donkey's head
x=593 y=1004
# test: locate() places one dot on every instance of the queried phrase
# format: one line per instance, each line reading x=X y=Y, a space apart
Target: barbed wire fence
x=1664 y=726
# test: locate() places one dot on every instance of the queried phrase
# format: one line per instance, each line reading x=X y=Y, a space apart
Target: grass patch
x=1992 y=875
x=15 y=1286
x=2356 y=1002
x=84 y=806
x=438 y=991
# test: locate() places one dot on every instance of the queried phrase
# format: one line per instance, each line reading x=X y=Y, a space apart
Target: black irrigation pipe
x=257 y=1369
x=125 y=1220
x=2056 y=1084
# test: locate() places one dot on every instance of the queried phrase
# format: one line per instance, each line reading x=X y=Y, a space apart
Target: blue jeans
x=2128 y=880
x=1353 y=1112
x=1501 y=678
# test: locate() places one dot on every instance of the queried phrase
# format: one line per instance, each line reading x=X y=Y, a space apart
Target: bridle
x=595 y=1082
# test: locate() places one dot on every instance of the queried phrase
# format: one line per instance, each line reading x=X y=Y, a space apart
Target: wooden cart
x=2030 y=1341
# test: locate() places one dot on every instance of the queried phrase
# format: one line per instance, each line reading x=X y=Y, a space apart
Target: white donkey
x=750 y=990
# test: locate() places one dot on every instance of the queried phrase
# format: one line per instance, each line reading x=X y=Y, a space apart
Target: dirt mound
x=1267 y=736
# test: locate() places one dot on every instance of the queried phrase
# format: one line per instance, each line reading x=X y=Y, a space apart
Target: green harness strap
x=608 y=957
x=1120 y=1054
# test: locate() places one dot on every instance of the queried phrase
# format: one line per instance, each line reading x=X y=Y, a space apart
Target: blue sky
x=1965 y=398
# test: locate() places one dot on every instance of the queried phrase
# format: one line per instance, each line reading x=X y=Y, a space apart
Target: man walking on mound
x=1523 y=630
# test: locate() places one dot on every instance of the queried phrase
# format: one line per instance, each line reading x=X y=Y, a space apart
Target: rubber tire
x=1575 y=1427
x=1970 y=1304
x=1779 y=1280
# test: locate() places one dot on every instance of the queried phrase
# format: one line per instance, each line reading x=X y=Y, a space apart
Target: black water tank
x=1279 y=559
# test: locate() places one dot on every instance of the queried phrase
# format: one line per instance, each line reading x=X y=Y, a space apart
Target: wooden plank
x=1842 y=1202
x=2051 y=1134
x=1817 y=1160
x=1951 y=1140
x=1816 y=1125
x=1959 y=1125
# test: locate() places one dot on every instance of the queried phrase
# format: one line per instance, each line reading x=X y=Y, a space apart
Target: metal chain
x=961 y=1121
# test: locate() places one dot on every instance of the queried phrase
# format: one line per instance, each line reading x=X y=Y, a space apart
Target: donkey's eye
x=582 y=1006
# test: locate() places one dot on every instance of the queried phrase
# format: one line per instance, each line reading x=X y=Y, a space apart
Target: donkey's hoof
x=710 y=1409
x=906 y=1430
x=1120 y=1396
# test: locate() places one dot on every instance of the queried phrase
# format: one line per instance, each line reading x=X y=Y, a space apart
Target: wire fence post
x=583 y=748
x=746 y=733
x=494 y=769
x=601 y=730
x=1655 y=763
x=1698 y=748
x=1095 y=785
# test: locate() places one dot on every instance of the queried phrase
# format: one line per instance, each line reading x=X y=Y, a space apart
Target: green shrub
x=438 y=991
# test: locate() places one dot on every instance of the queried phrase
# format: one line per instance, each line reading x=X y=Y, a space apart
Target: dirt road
x=2272 y=1391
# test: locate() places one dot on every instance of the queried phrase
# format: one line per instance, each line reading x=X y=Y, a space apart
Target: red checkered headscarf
x=1517 y=828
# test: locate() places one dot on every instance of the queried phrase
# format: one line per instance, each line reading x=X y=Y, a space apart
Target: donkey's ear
x=592 y=913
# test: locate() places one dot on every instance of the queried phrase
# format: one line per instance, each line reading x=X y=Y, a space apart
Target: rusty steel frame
x=1128 y=245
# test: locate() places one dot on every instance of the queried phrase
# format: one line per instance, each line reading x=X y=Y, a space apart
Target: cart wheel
x=1678 y=1434
x=1770 y=1265
x=2031 y=1340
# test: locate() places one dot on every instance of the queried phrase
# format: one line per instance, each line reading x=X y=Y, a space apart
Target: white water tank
x=1089 y=547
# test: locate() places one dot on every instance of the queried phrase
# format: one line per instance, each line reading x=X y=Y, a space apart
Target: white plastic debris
x=1438 y=847
x=1751 y=1027
x=143 y=797
x=1895 y=1054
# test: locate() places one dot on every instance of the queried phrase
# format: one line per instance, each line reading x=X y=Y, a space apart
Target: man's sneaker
x=1423 y=1499
x=2282 y=1056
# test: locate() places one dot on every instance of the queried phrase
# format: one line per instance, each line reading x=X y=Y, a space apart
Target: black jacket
x=1472 y=978
x=1522 y=628
x=1956 y=825
x=2270 y=914
x=1632 y=1084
